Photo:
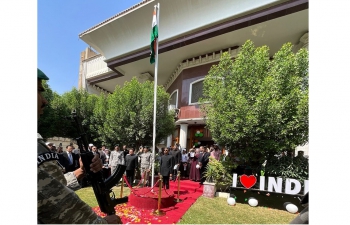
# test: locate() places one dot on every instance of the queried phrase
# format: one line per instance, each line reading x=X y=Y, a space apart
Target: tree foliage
x=288 y=167
x=125 y=117
x=83 y=103
x=129 y=116
x=49 y=120
x=257 y=106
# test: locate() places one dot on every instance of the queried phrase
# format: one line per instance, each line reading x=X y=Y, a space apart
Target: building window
x=173 y=100
x=196 y=91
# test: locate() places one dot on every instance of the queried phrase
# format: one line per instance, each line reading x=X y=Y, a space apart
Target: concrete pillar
x=169 y=140
x=183 y=135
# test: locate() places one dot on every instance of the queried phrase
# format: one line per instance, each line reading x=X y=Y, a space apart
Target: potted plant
x=216 y=176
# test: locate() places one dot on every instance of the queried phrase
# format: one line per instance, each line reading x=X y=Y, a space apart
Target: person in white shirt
x=184 y=167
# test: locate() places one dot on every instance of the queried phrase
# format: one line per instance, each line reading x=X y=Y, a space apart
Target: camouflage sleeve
x=53 y=169
x=72 y=181
x=60 y=205
x=68 y=179
x=151 y=161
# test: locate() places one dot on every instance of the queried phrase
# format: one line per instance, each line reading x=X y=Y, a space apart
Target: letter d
x=296 y=189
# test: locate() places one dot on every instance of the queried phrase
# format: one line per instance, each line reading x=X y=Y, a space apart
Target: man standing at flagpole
x=154 y=59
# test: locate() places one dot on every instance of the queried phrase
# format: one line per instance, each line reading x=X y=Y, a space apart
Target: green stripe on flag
x=154 y=36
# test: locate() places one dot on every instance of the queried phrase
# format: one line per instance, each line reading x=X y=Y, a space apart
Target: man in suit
x=101 y=154
x=131 y=162
x=203 y=161
x=175 y=152
x=166 y=166
x=184 y=164
x=72 y=159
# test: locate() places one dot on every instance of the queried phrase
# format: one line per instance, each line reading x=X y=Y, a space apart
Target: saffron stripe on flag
x=154 y=36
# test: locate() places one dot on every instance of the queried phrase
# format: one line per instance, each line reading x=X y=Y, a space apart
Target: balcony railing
x=95 y=66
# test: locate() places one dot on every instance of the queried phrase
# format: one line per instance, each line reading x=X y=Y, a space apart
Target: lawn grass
x=88 y=196
x=212 y=210
x=217 y=211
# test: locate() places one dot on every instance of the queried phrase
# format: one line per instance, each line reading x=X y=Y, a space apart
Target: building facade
x=193 y=34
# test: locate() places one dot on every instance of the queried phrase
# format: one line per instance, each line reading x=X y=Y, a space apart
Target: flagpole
x=155 y=99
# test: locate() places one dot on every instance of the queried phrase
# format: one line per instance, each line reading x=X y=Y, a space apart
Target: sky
x=59 y=23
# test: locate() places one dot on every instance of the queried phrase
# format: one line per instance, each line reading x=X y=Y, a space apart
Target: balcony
x=95 y=66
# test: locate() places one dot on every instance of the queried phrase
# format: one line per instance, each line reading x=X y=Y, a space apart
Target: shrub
x=288 y=167
x=217 y=173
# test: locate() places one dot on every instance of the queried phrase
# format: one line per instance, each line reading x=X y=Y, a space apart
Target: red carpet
x=189 y=192
x=144 y=198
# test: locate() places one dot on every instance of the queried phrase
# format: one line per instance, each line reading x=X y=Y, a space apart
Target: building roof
x=116 y=16
x=185 y=36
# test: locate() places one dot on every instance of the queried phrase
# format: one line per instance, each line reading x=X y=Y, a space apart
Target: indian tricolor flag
x=154 y=36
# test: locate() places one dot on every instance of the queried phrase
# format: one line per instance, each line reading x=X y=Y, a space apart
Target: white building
x=193 y=34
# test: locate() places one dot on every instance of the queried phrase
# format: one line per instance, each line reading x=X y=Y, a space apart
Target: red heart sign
x=248 y=181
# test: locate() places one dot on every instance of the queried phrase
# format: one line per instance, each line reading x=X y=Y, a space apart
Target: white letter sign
x=288 y=189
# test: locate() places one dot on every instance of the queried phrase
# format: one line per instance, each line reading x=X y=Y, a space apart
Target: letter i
x=262 y=183
x=234 y=180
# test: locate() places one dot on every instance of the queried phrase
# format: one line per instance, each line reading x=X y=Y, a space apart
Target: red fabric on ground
x=189 y=192
x=144 y=198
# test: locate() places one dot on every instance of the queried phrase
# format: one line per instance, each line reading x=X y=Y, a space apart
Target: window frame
x=190 y=92
x=177 y=98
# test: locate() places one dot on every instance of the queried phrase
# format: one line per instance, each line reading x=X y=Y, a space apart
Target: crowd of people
x=191 y=164
x=60 y=172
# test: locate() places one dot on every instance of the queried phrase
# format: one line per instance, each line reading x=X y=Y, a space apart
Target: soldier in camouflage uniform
x=116 y=157
x=57 y=203
x=145 y=162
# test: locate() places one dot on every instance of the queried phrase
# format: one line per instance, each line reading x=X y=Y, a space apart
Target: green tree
x=257 y=106
x=84 y=104
x=125 y=117
x=129 y=116
x=47 y=124
x=98 y=120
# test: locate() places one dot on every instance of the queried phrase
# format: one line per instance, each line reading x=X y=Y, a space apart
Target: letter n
x=277 y=186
